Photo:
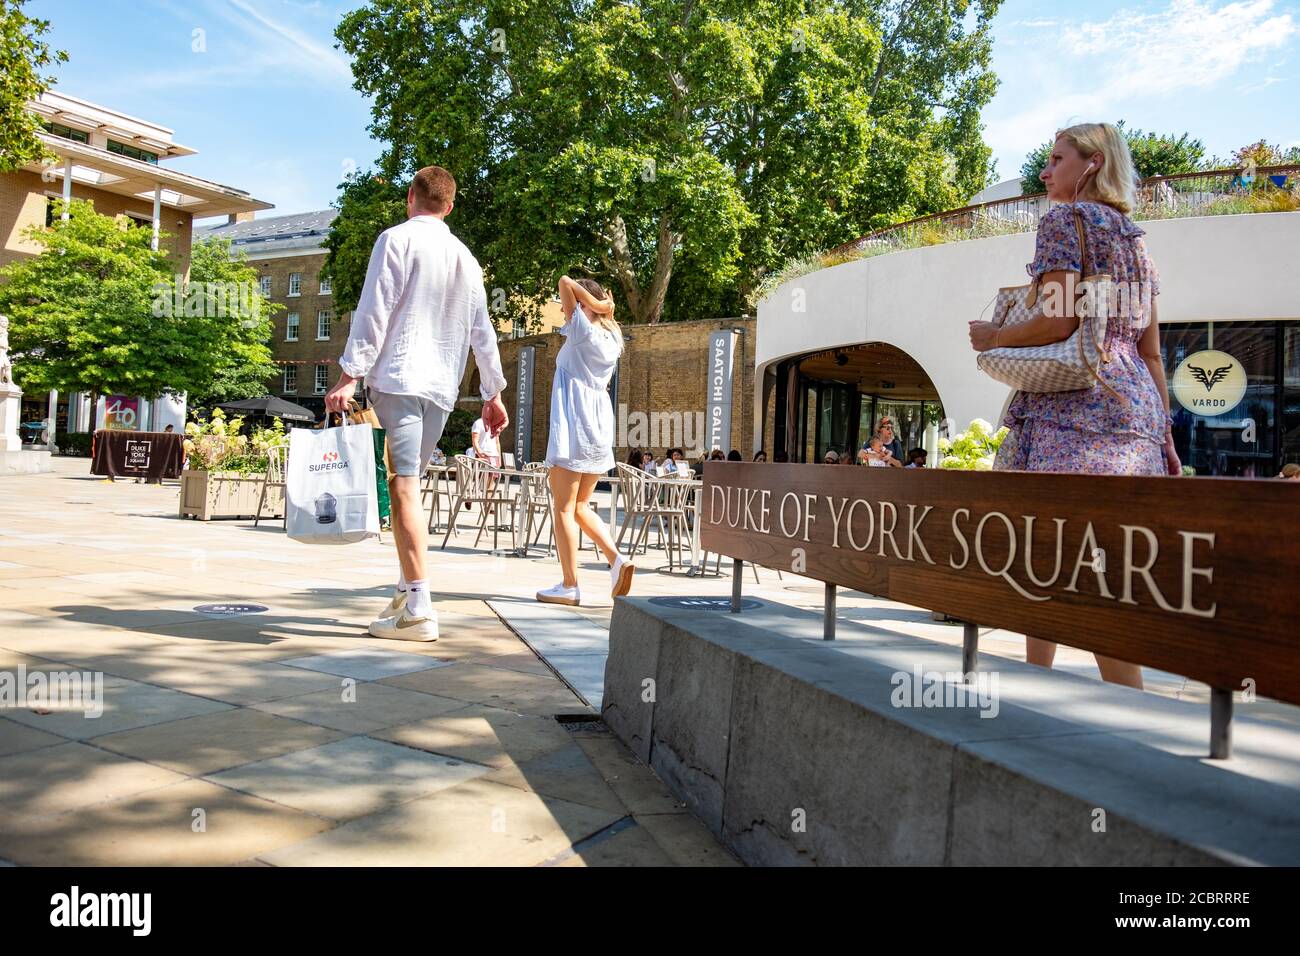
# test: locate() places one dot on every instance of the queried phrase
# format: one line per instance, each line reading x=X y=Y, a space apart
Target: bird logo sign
x=1209 y=383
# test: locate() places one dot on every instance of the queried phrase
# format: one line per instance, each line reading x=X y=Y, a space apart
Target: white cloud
x=1091 y=69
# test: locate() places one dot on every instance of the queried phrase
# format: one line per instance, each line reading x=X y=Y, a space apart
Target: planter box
x=206 y=495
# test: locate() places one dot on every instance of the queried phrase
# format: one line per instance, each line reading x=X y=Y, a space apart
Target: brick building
x=117 y=162
x=309 y=333
x=663 y=387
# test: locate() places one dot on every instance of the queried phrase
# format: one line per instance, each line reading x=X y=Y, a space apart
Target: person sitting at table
x=916 y=458
x=734 y=455
x=760 y=455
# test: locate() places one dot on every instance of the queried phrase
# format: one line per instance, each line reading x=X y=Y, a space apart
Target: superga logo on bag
x=329 y=462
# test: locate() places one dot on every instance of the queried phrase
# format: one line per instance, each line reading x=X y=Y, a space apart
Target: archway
x=831 y=400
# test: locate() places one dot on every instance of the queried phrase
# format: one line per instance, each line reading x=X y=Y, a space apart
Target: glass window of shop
x=1234 y=395
x=839 y=418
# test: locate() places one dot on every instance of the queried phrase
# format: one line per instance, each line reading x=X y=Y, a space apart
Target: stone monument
x=13 y=459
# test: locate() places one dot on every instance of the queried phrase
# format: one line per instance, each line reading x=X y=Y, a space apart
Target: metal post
x=67 y=189
x=828 y=615
x=970 y=649
x=1220 y=723
x=157 y=215
x=737 y=566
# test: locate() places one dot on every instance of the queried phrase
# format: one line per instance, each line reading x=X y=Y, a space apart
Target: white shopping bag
x=330 y=493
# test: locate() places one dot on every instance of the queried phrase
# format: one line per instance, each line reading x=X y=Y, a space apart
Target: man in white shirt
x=421 y=310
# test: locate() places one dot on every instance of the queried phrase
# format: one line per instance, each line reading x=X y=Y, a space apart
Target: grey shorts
x=413 y=426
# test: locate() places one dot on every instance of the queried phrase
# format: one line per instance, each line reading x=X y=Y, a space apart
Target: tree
x=241 y=352
x=1153 y=155
x=22 y=57
x=99 y=311
x=673 y=149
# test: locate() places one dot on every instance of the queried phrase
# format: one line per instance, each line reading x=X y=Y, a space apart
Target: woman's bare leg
x=1119 y=672
x=1041 y=653
x=590 y=522
x=1114 y=671
x=564 y=493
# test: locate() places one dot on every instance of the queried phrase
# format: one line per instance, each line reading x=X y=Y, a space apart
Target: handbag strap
x=1083 y=271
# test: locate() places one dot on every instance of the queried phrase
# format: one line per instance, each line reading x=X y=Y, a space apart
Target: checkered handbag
x=1065 y=366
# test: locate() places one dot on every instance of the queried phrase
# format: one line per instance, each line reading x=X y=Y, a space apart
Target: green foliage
x=96 y=311
x=456 y=433
x=240 y=342
x=76 y=444
x=23 y=55
x=675 y=153
x=1154 y=154
x=974 y=449
x=220 y=445
x=368 y=204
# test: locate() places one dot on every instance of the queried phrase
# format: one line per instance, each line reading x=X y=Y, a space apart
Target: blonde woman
x=581 y=445
x=1122 y=429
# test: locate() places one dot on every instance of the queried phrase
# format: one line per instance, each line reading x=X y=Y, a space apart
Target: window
x=326 y=285
x=322 y=379
x=291 y=327
x=323 y=320
x=291 y=378
x=295 y=283
x=67 y=132
x=266 y=285
x=132 y=152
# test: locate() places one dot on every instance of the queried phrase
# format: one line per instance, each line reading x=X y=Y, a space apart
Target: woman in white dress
x=581 y=445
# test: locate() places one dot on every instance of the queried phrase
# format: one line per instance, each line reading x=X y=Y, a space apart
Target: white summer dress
x=582 y=417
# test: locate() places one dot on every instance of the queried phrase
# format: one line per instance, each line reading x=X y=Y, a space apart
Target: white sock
x=402 y=584
x=418 y=602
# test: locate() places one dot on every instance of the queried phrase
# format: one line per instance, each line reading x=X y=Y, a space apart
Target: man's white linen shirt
x=423 y=306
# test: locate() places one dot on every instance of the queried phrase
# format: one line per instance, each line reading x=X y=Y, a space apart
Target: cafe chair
x=277 y=460
x=475 y=484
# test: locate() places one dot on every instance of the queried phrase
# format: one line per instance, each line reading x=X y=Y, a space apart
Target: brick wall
x=307 y=352
x=664 y=369
x=23 y=197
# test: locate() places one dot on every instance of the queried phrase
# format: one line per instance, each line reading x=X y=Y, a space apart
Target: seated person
x=916 y=458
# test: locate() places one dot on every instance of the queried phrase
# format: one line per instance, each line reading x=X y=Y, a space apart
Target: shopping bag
x=383 y=461
x=381 y=479
x=330 y=495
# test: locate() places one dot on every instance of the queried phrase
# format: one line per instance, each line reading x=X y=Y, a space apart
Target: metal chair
x=640 y=500
x=277 y=460
x=474 y=484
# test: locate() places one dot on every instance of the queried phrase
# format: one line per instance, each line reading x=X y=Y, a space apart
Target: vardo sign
x=1192 y=575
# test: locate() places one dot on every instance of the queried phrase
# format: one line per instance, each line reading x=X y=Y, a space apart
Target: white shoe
x=620 y=577
x=559 y=594
x=402 y=626
x=396 y=604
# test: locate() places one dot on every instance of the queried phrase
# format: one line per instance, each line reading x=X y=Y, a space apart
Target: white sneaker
x=620 y=577
x=559 y=594
x=396 y=604
x=402 y=626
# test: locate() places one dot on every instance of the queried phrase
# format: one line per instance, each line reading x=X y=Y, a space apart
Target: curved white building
x=838 y=347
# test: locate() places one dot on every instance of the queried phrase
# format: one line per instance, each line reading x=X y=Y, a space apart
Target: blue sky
x=268 y=102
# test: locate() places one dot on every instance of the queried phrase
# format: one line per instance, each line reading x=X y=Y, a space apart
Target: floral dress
x=1094 y=430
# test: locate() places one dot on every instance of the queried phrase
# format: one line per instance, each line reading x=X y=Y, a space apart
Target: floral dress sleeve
x=1057 y=246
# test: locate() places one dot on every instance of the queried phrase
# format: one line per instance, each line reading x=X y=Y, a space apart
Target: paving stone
x=126 y=704
x=365 y=664
x=19 y=738
x=71 y=776
x=157 y=828
x=565 y=772
x=348 y=778
x=474 y=824
x=483 y=734
x=201 y=745
x=369 y=707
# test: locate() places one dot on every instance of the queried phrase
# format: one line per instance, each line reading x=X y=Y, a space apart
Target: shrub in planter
x=76 y=444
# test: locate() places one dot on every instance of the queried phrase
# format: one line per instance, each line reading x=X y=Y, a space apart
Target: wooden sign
x=1196 y=576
